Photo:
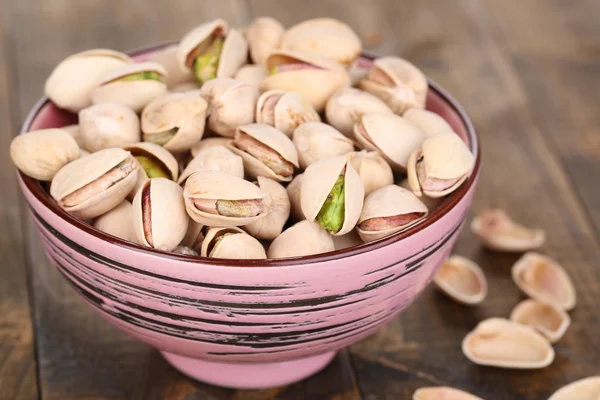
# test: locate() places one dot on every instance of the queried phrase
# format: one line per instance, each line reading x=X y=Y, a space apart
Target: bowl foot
x=249 y=375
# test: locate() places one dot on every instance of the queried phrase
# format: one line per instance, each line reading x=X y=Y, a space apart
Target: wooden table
x=528 y=72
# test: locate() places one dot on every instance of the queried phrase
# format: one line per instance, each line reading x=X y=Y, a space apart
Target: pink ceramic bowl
x=249 y=324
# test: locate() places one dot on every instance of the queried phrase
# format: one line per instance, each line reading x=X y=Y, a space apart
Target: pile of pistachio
x=263 y=142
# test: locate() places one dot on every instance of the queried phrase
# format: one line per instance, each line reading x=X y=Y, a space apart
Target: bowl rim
x=449 y=203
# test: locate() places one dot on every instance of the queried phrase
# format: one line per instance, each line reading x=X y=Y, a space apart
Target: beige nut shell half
x=269 y=227
x=108 y=125
x=302 y=239
x=582 y=389
x=263 y=36
x=231 y=243
x=167 y=161
x=372 y=168
x=214 y=158
x=462 y=280
x=427 y=121
x=290 y=111
x=497 y=231
x=118 y=222
x=252 y=74
x=316 y=141
x=176 y=75
x=442 y=393
x=545 y=318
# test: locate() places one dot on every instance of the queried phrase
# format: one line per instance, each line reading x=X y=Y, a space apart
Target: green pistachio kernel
x=331 y=215
x=152 y=168
x=141 y=76
x=206 y=64
x=273 y=70
x=161 y=138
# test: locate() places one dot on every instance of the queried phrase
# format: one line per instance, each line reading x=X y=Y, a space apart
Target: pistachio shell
x=499 y=342
x=583 y=389
x=215 y=158
x=351 y=239
x=231 y=243
x=543 y=317
x=209 y=142
x=41 y=154
x=117 y=222
x=543 y=279
x=194 y=236
x=294 y=189
x=233 y=55
x=302 y=239
x=373 y=170
x=326 y=36
x=71 y=81
x=462 y=280
x=284 y=110
x=195 y=37
x=176 y=74
x=428 y=122
x=498 y=231
x=160 y=158
x=108 y=125
x=442 y=393
x=271 y=225
x=252 y=74
x=316 y=141
x=185 y=87
x=92 y=185
x=430 y=203
x=263 y=36
x=75 y=131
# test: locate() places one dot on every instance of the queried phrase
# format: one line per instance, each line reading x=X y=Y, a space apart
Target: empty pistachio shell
x=232 y=243
x=502 y=343
x=155 y=162
x=373 y=170
x=583 y=389
x=302 y=239
x=388 y=210
x=263 y=36
x=397 y=82
x=271 y=225
x=498 y=231
x=441 y=166
x=209 y=142
x=431 y=203
x=231 y=104
x=176 y=74
x=108 y=125
x=92 y=185
x=159 y=216
x=294 y=189
x=186 y=251
x=266 y=151
x=41 y=154
x=351 y=239
x=316 y=141
x=391 y=135
x=75 y=132
x=428 y=122
x=543 y=317
x=326 y=36
x=462 y=280
x=252 y=74
x=217 y=198
x=332 y=194
x=284 y=110
x=117 y=222
x=345 y=107
x=543 y=279
x=442 y=393
x=194 y=236
x=175 y=121
x=314 y=76
x=215 y=158
x=70 y=83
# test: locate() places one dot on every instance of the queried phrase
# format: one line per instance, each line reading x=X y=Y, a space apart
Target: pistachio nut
x=550 y=321
x=430 y=203
x=231 y=104
x=397 y=82
x=160 y=220
x=373 y=170
x=215 y=158
x=497 y=231
x=345 y=107
x=271 y=225
x=284 y=110
x=442 y=393
x=117 y=222
x=332 y=194
x=212 y=50
x=155 y=162
x=75 y=131
x=41 y=154
x=92 y=185
x=232 y=243
x=294 y=189
x=351 y=239
x=175 y=121
x=176 y=74
x=582 y=389
x=263 y=36
x=302 y=239
x=108 y=125
x=427 y=121
x=316 y=141
x=252 y=74
x=440 y=166
x=186 y=251
x=266 y=151
x=462 y=280
x=194 y=236
x=207 y=143
x=312 y=75
x=388 y=210
x=133 y=85
x=70 y=83
x=326 y=36
x=216 y=198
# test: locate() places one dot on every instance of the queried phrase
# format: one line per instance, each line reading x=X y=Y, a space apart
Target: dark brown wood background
x=528 y=72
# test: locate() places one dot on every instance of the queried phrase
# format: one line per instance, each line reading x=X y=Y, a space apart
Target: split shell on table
x=443 y=393
x=462 y=280
x=582 y=389
x=548 y=320
x=497 y=231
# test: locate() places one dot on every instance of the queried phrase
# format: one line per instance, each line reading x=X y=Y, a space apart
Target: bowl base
x=249 y=375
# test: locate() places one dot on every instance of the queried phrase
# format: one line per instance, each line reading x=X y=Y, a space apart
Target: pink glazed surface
x=210 y=316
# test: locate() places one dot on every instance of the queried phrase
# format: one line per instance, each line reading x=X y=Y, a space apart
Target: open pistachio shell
x=326 y=36
x=118 y=222
x=231 y=104
x=252 y=74
x=350 y=239
x=263 y=36
x=175 y=121
x=194 y=236
x=332 y=193
x=92 y=185
x=176 y=74
x=543 y=279
x=302 y=239
x=266 y=151
x=388 y=210
x=108 y=125
x=232 y=243
x=70 y=83
x=271 y=225
x=462 y=280
x=583 y=389
x=215 y=158
x=209 y=142
x=294 y=189
x=75 y=132
x=216 y=198
x=428 y=122
x=41 y=154
x=498 y=231
x=441 y=165
x=442 y=393
x=159 y=216
x=548 y=320
x=314 y=76
x=345 y=107
x=397 y=82
x=316 y=141
x=155 y=162
x=498 y=342
x=373 y=170
x=284 y=110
